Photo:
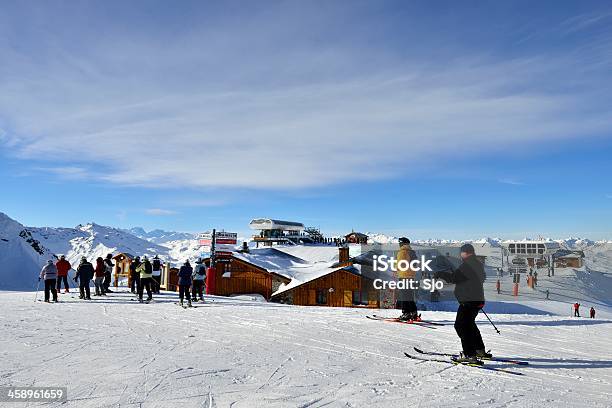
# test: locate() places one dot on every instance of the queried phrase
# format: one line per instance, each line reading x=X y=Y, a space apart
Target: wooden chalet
x=573 y=259
x=236 y=275
x=342 y=286
x=356 y=238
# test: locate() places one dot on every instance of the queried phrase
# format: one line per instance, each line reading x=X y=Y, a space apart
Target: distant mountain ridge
x=23 y=250
x=159 y=236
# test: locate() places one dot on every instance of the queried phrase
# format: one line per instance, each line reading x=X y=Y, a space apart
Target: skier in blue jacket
x=184 y=282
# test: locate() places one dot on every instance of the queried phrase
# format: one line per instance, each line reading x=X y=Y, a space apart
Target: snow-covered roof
x=308 y=273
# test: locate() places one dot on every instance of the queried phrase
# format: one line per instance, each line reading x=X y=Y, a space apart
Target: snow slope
x=21 y=255
x=232 y=353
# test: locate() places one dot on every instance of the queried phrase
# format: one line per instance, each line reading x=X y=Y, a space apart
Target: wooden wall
x=244 y=278
x=343 y=283
x=568 y=263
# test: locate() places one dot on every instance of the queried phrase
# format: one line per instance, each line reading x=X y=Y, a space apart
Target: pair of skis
x=422 y=323
x=437 y=357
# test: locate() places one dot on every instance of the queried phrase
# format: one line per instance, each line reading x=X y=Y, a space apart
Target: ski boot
x=405 y=317
x=189 y=303
x=180 y=303
x=462 y=358
x=484 y=355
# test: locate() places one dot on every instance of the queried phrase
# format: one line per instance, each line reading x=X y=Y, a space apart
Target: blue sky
x=453 y=120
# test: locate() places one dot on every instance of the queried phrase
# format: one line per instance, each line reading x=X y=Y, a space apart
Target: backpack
x=201 y=270
x=156 y=265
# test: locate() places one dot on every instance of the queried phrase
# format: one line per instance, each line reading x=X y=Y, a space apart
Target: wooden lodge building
x=356 y=238
x=236 y=275
x=338 y=285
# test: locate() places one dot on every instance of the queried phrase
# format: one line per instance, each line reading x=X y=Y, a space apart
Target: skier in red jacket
x=576 y=309
x=100 y=271
x=63 y=266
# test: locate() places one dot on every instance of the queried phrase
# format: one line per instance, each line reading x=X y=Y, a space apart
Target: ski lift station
x=278 y=232
x=529 y=252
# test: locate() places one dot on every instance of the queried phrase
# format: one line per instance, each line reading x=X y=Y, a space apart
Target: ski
x=418 y=321
x=498 y=359
x=481 y=366
x=396 y=320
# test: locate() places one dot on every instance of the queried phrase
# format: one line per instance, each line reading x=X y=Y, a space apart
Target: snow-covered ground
x=236 y=353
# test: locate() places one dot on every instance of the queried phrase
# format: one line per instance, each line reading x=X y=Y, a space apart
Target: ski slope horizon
x=24 y=250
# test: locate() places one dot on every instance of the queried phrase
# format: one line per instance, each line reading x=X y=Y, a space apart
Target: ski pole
x=496 y=329
x=37 y=287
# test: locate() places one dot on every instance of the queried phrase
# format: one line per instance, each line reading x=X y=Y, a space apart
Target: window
x=321 y=296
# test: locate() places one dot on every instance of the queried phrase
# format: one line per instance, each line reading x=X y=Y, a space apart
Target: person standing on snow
x=576 y=309
x=100 y=271
x=63 y=266
x=592 y=312
x=198 y=277
x=48 y=273
x=157 y=270
x=407 y=297
x=108 y=273
x=469 y=291
x=134 y=275
x=184 y=282
x=146 y=276
x=84 y=275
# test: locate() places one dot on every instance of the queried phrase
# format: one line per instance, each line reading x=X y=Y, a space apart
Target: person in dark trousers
x=592 y=312
x=468 y=280
x=198 y=277
x=99 y=273
x=84 y=275
x=406 y=297
x=63 y=266
x=547 y=294
x=184 y=282
x=48 y=273
x=134 y=275
x=157 y=271
x=576 y=309
x=146 y=276
x=108 y=273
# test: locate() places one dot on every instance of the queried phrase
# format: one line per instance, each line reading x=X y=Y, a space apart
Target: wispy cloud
x=262 y=107
x=68 y=172
x=159 y=212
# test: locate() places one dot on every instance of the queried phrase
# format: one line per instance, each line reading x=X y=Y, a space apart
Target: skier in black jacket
x=134 y=275
x=468 y=280
x=84 y=275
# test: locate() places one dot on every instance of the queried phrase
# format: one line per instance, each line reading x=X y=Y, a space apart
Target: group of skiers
x=145 y=274
x=54 y=274
x=577 y=311
x=191 y=280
